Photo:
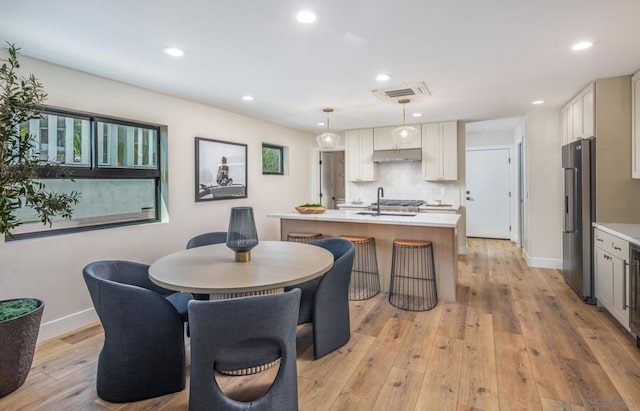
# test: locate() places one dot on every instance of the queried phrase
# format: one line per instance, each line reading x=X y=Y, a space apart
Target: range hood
x=408 y=154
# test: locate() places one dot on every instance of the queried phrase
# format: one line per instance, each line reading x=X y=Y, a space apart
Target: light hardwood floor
x=518 y=338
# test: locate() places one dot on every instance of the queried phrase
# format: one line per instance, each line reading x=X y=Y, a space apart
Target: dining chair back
x=240 y=333
x=214 y=237
x=143 y=355
x=325 y=300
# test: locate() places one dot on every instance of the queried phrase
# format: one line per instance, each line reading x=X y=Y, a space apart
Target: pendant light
x=328 y=139
x=404 y=134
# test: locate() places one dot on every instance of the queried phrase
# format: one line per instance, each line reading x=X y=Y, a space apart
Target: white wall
x=51 y=268
x=542 y=243
x=489 y=138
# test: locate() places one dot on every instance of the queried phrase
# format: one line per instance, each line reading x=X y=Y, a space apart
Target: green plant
x=311 y=205
x=21 y=100
x=15 y=308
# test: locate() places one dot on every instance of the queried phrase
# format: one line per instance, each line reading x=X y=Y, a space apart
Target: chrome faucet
x=380 y=194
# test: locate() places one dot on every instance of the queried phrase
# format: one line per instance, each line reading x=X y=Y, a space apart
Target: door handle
x=634 y=291
x=625 y=265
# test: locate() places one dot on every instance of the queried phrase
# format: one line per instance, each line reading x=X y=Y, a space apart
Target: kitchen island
x=440 y=229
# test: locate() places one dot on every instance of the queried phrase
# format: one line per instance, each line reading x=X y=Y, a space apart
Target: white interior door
x=488 y=202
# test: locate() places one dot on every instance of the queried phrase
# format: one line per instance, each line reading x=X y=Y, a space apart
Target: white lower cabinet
x=611 y=255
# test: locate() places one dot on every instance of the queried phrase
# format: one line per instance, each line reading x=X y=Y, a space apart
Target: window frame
x=96 y=171
x=280 y=149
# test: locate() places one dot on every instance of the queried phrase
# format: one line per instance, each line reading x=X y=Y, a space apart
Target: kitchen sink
x=373 y=213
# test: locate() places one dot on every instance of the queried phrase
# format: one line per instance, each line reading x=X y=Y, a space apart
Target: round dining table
x=212 y=269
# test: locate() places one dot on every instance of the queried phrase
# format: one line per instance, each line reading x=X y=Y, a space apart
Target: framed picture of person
x=221 y=170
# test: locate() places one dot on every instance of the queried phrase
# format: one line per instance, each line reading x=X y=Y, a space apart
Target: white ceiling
x=481 y=59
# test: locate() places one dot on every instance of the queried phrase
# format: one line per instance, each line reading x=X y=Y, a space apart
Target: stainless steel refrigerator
x=578 y=166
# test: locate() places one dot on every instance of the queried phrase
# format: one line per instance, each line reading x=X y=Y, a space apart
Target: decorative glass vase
x=242 y=235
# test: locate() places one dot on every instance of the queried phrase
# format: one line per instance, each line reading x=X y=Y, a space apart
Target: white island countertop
x=350 y=216
x=628 y=232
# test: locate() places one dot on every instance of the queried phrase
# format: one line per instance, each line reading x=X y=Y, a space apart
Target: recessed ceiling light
x=320 y=123
x=583 y=45
x=173 y=51
x=247 y=98
x=417 y=114
x=383 y=77
x=306 y=17
x=536 y=102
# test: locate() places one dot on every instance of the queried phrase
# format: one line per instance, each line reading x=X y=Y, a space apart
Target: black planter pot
x=18 y=337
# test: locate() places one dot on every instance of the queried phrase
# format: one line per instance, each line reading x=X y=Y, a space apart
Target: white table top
x=420 y=219
x=212 y=269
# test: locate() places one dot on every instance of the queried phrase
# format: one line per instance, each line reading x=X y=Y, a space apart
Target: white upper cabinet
x=359 y=165
x=577 y=117
x=383 y=140
x=635 y=127
x=440 y=151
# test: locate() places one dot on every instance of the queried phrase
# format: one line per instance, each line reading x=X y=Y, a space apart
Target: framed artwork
x=221 y=170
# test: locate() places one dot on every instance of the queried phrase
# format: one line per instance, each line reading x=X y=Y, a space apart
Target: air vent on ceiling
x=413 y=90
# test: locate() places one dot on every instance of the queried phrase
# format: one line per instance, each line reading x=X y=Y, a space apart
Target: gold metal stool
x=365 y=280
x=303 y=237
x=413 y=276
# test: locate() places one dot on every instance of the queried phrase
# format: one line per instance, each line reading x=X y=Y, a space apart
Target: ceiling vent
x=413 y=90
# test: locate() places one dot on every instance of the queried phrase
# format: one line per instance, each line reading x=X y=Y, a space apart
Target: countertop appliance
x=409 y=206
x=579 y=211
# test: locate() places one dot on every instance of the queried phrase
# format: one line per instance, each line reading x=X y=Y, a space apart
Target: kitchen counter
x=419 y=219
x=440 y=229
x=627 y=232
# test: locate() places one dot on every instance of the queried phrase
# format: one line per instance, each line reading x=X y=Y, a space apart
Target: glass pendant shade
x=242 y=235
x=404 y=134
x=328 y=139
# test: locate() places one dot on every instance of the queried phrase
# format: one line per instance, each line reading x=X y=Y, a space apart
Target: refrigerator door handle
x=570 y=193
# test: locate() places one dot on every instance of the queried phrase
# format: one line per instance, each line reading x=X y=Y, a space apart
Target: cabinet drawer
x=611 y=244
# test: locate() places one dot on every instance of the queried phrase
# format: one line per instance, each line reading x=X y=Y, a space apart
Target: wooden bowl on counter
x=311 y=210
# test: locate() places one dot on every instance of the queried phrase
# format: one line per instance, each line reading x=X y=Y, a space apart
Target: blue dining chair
x=214 y=237
x=241 y=333
x=143 y=355
x=325 y=300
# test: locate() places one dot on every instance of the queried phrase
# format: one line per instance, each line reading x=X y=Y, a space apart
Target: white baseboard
x=542 y=262
x=63 y=325
x=462 y=250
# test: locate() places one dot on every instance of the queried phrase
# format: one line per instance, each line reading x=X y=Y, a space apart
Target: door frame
x=316 y=175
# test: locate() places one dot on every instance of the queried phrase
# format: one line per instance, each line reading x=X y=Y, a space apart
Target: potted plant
x=19 y=326
x=21 y=100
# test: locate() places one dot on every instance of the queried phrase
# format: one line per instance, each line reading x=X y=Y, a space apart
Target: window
x=115 y=165
x=272 y=159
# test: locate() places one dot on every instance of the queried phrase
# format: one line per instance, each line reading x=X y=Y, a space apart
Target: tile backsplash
x=403 y=181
